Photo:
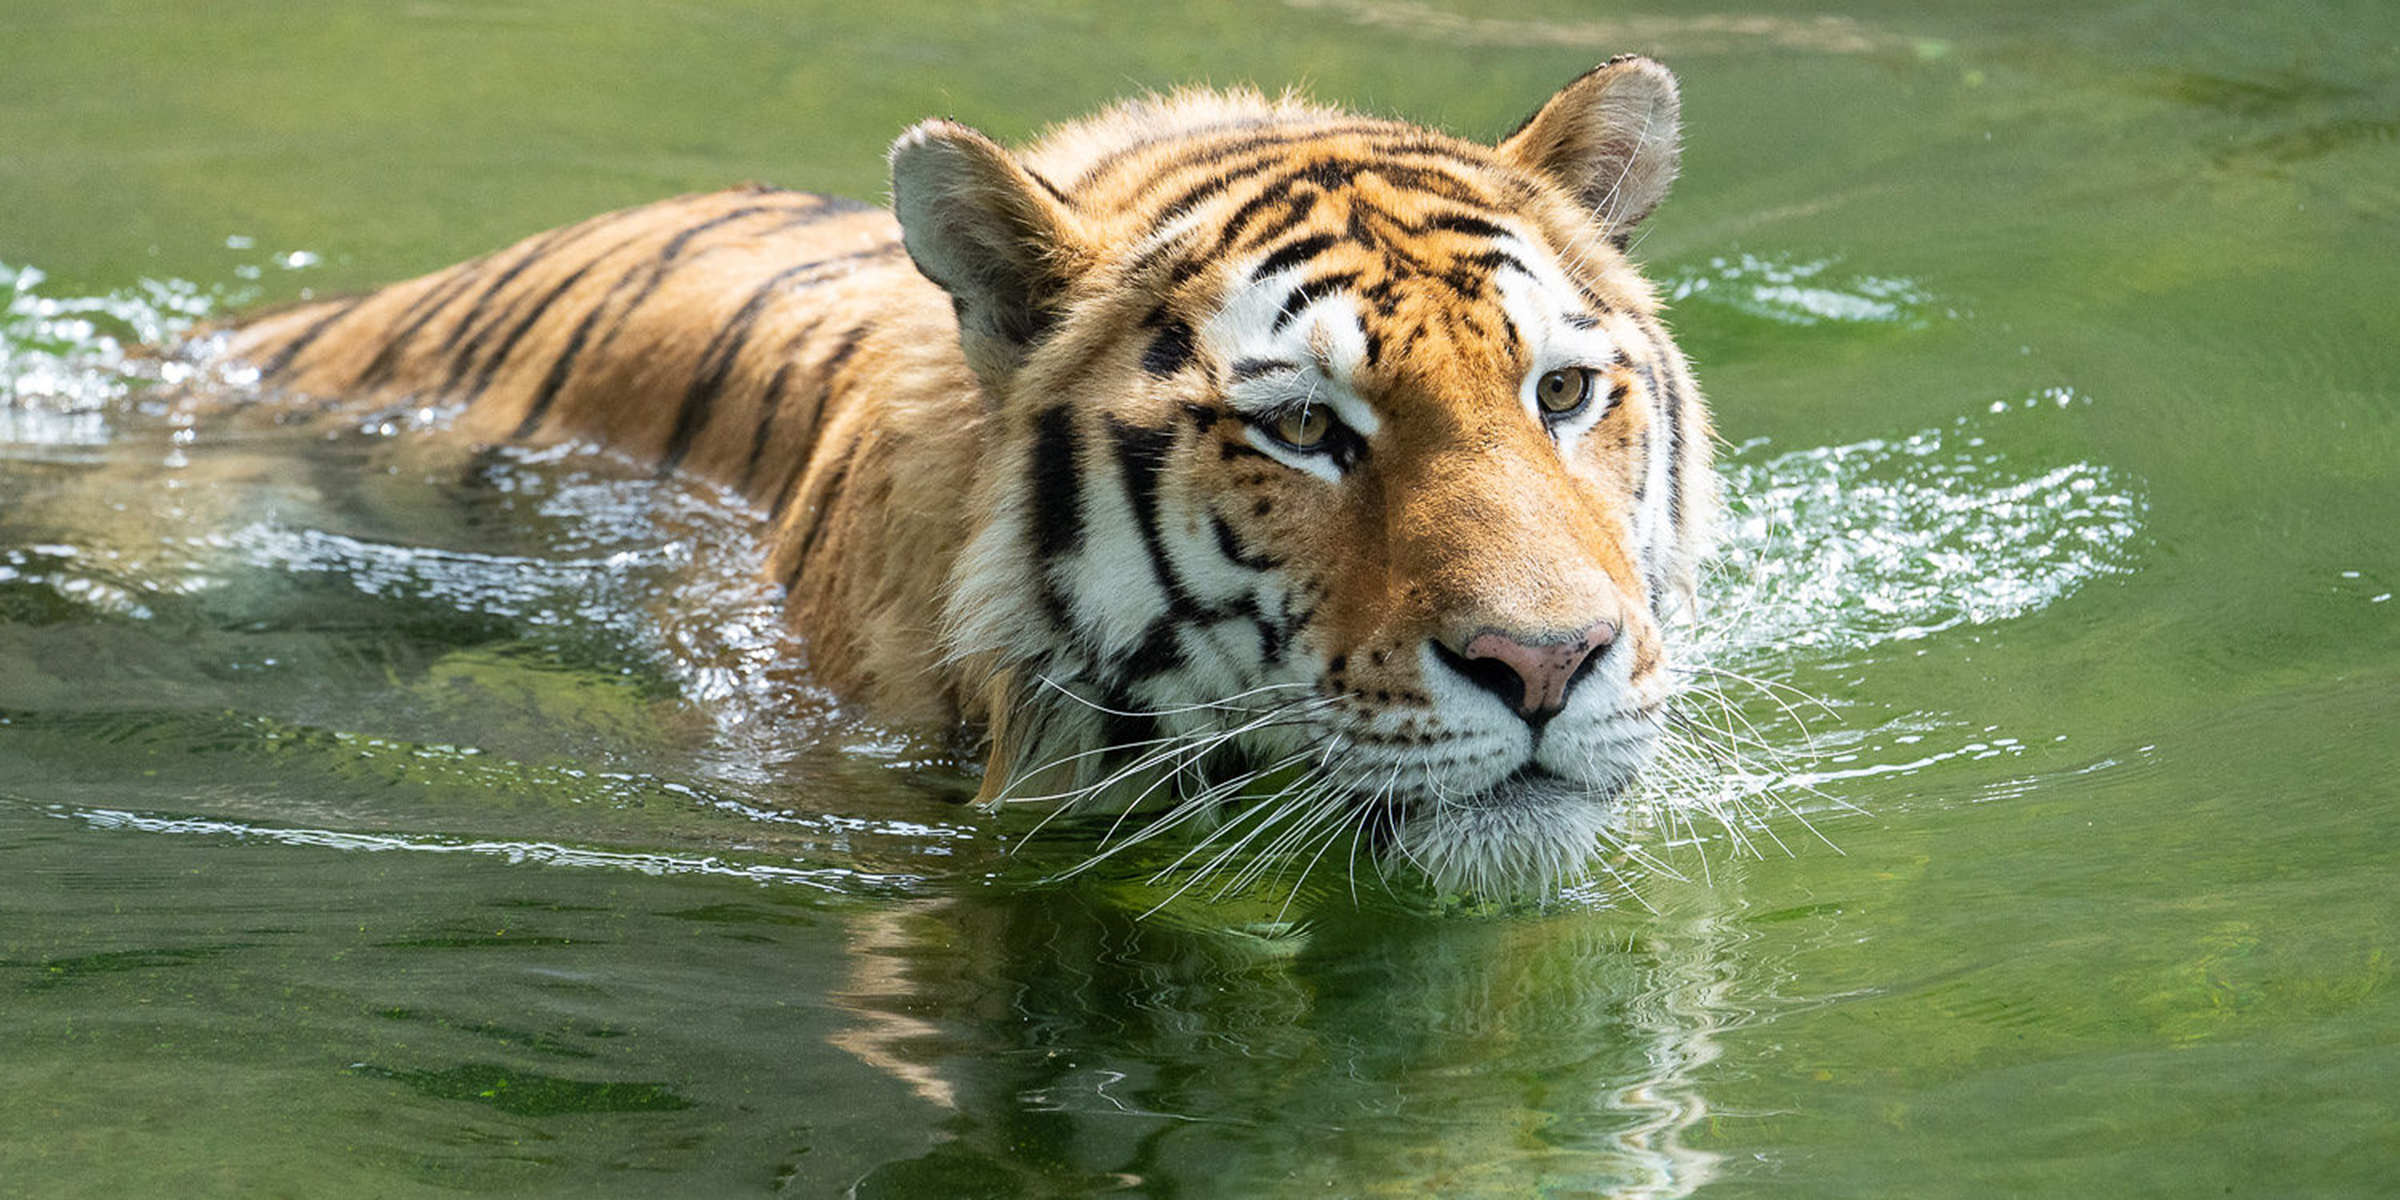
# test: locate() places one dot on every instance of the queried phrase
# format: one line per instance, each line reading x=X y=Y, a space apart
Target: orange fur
x=954 y=416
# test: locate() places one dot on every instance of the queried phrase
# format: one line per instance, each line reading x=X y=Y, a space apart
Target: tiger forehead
x=1251 y=162
x=1358 y=287
x=1393 y=217
x=1364 y=214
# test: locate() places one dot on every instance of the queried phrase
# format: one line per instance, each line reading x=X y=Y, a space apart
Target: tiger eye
x=1305 y=426
x=1563 y=391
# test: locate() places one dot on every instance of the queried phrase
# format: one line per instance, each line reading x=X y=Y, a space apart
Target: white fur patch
x=1540 y=308
x=1320 y=350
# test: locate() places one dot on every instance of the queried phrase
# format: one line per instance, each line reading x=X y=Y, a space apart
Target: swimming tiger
x=1214 y=447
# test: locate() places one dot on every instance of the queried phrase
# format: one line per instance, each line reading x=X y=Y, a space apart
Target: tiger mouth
x=1528 y=834
x=1535 y=784
x=1534 y=780
x=1531 y=786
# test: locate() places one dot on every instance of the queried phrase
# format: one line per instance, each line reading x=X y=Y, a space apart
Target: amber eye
x=1304 y=427
x=1563 y=391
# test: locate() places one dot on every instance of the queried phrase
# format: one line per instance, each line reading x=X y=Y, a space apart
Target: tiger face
x=1344 y=475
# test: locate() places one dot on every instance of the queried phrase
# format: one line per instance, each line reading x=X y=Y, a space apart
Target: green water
x=377 y=819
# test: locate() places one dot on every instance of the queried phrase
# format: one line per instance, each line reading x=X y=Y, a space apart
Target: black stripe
x=1057 y=484
x=1383 y=295
x=1294 y=253
x=770 y=401
x=827 y=387
x=1461 y=223
x=1220 y=151
x=1051 y=188
x=508 y=344
x=1191 y=197
x=716 y=365
x=1277 y=634
x=1252 y=368
x=1231 y=547
x=1674 y=405
x=291 y=349
x=539 y=250
x=1328 y=174
x=1309 y=293
x=1493 y=260
x=464 y=352
x=828 y=380
x=413 y=318
x=725 y=350
x=1462 y=154
x=1467 y=284
x=1120 y=727
x=1141 y=451
x=818 y=520
x=1056 y=481
x=1271 y=638
x=1280 y=190
x=1360 y=225
x=770 y=405
x=656 y=268
x=1668 y=393
x=1170 y=347
x=1655 y=553
x=1159 y=652
x=670 y=255
x=564 y=365
x=1296 y=208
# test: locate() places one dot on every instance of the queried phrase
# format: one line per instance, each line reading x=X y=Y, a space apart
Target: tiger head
x=1340 y=472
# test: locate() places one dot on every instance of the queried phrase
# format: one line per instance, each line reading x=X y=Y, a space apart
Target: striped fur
x=1019 y=443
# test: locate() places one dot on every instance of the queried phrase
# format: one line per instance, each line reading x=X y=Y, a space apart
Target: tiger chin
x=1321 y=480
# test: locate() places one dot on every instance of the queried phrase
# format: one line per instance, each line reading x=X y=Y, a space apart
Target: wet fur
x=1004 y=481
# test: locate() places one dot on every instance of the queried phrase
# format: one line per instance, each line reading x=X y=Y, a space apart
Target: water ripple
x=1794 y=291
x=840 y=880
x=1843 y=548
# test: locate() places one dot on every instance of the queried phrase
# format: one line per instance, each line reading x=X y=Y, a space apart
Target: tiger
x=1225 y=457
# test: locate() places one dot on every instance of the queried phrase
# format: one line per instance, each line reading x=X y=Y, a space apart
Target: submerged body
x=1212 y=441
x=773 y=342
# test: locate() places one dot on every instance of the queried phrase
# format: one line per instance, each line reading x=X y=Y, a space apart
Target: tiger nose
x=1532 y=677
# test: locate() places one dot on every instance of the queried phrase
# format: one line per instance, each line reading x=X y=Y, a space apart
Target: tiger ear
x=994 y=235
x=1609 y=138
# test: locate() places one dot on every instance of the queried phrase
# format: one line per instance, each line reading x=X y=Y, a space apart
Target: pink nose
x=1542 y=670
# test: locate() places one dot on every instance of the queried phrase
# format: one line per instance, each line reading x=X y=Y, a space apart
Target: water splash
x=1801 y=292
x=65 y=360
x=1843 y=548
x=1831 y=554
